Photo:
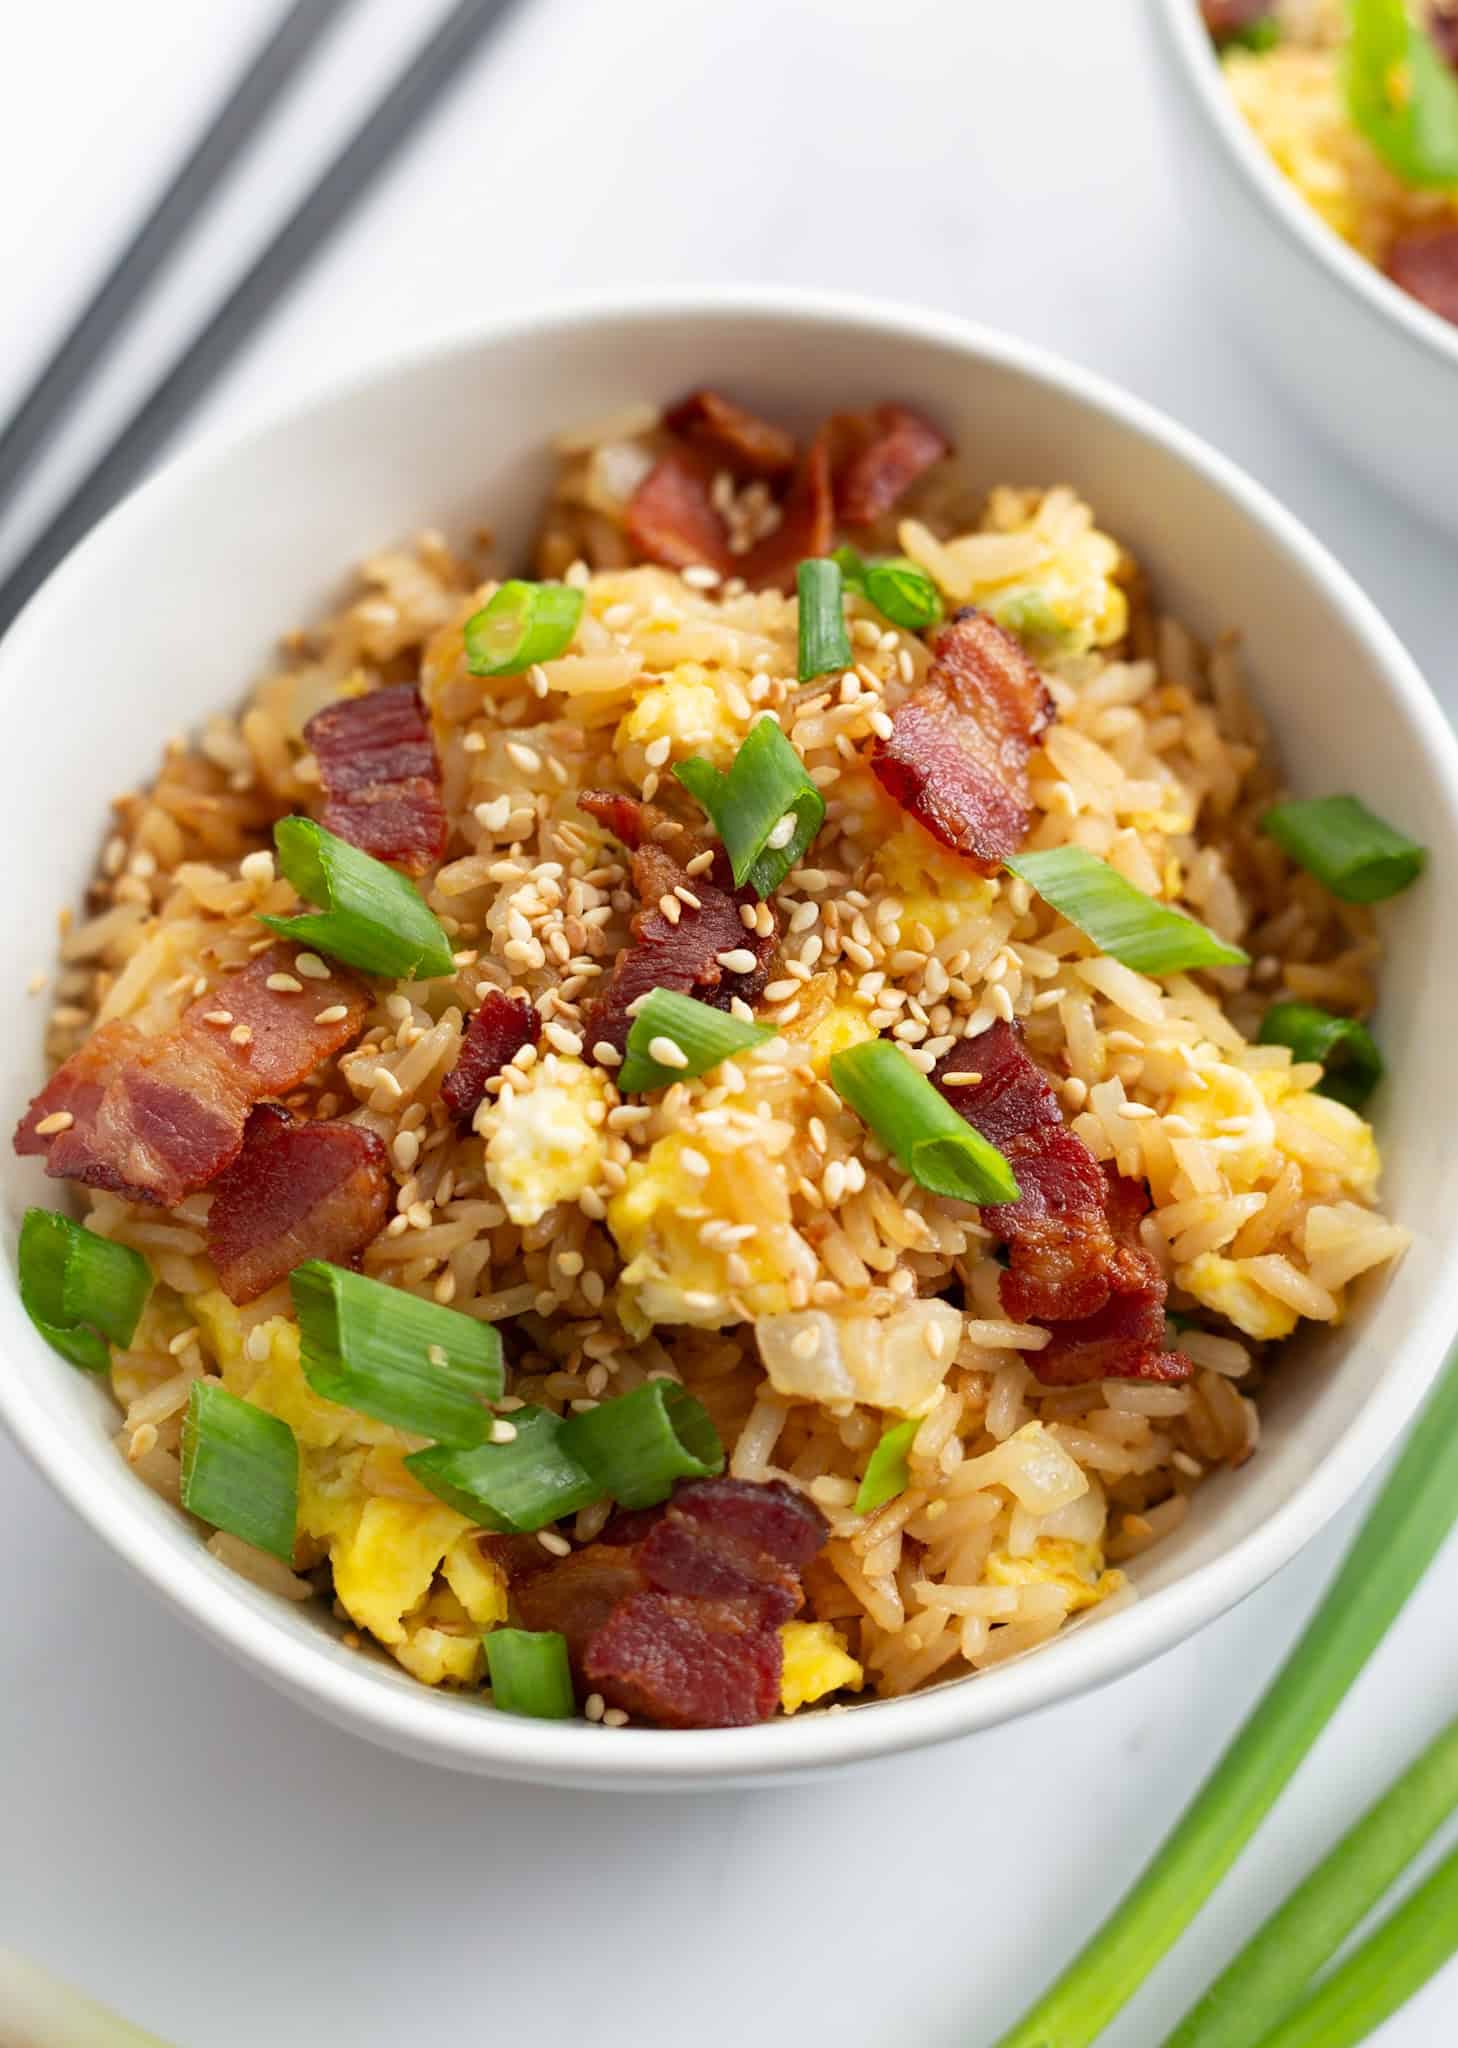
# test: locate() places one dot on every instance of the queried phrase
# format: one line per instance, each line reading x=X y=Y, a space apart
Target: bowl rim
x=1320 y=244
x=411 y=1718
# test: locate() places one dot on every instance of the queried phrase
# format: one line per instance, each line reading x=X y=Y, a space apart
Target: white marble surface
x=176 y=1838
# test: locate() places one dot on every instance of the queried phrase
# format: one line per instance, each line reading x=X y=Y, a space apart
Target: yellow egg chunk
x=1040 y=568
x=933 y=887
x=479 y=1585
x=385 y=1569
x=1078 y=1568
x=544 y=1136
x=831 y=1029
x=276 y=1381
x=1221 y=1284
x=684 y=708
x=670 y=1275
x=816 y=1662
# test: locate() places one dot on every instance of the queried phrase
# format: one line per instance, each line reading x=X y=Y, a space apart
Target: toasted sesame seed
x=524 y=757
x=557 y=1545
x=256 y=1343
x=503 y=1432
x=965 y=1077
x=217 y=1016
x=58 y=1120
x=334 y=1014
x=687 y=897
x=700 y=862
x=739 y=960
x=286 y=985
x=667 y=1051
x=257 y=868
x=383 y=1078
x=241 y=1034
x=657 y=751
x=474 y=743
x=698 y=576
x=614 y=1717
x=594 y=1706
x=311 y=967
x=693 y=1162
x=492 y=816
x=782 y=832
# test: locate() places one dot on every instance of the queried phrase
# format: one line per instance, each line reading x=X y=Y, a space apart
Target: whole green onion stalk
x=38 y=2008
x=1393 y=1548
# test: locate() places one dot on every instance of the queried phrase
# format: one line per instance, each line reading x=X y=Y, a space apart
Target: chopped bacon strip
x=681 y=955
x=674 y=1614
x=1075 y=1260
x=671 y=517
x=157 y=1118
x=296 y=1191
x=957 y=758
x=1425 y=264
x=739 y=440
x=381 y=776
x=807 y=526
x=885 y=451
x=494 y=1036
x=1225 y=19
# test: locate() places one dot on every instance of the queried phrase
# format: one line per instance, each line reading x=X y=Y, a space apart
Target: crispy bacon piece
x=494 y=1036
x=735 y=438
x=671 y=517
x=381 y=776
x=157 y=1118
x=1425 y=264
x=296 y=1191
x=1075 y=1260
x=884 y=452
x=957 y=758
x=807 y=525
x=683 y=955
x=673 y=1615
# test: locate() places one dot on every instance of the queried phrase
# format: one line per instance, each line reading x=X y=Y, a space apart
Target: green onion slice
x=705 y=1036
x=383 y=1352
x=1120 y=919
x=899 y=590
x=637 y=1445
x=371 y=918
x=1352 y=852
x=766 y=809
x=1401 y=94
x=516 y=1487
x=852 y=566
x=824 y=641
x=520 y=624
x=240 y=1469
x=886 y=1474
x=82 y=1292
x=936 y=1146
x=530 y=1673
x=1344 y=1047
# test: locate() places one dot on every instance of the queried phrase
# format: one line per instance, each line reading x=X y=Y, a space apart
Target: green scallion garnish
x=674 y=1038
x=899 y=590
x=886 y=1472
x=1121 y=920
x=937 y=1147
x=383 y=1352
x=1256 y=36
x=240 y=1469
x=638 y=1444
x=1345 y=1048
x=521 y=623
x=824 y=641
x=1401 y=94
x=530 y=1673
x=516 y=1487
x=370 y=917
x=82 y=1292
x=1396 y=1543
x=766 y=809
x=1352 y=852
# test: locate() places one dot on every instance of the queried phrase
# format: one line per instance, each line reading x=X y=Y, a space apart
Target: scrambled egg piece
x=544 y=1139
x=684 y=708
x=1248 y=1119
x=933 y=888
x=816 y=1662
x=1078 y=1568
x=895 y=1362
x=1051 y=581
x=1222 y=1285
x=830 y=1030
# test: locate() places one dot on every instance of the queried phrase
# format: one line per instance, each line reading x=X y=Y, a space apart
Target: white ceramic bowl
x=1373 y=368
x=174 y=603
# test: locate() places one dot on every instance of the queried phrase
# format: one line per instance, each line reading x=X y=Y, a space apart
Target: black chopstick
x=415 y=93
x=208 y=162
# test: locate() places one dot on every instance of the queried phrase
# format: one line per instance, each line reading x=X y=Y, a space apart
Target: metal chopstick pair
x=374 y=143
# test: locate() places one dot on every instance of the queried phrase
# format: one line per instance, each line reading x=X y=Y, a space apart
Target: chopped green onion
x=530 y=1673
x=371 y=917
x=824 y=641
x=766 y=809
x=901 y=591
x=1267 y=1979
x=1393 y=1548
x=1256 y=36
x=240 y=1469
x=80 y=1289
x=1350 y=851
x=852 y=567
x=515 y=1487
x=1120 y=919
x=520 y=624
x=1401 y=94
x=1345 y=1048
x=1029 y=614
x=637 y=1445
x=701 y=1035
x=936 y=1146
x=886 y=1474
x=383 y=1352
